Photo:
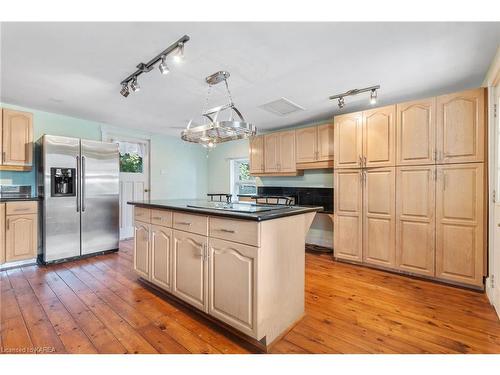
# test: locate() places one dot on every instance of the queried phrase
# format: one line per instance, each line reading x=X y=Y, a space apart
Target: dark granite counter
x=9 y=199
x=182 y=205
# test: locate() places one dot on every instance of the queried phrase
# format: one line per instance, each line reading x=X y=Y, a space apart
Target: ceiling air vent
x=281 y=107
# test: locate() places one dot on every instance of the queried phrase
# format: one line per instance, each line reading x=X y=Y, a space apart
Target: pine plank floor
x=96 y=305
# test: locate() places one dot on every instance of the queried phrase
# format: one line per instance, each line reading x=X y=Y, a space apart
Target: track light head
x=163 y=65
x=179 y=56
x=373 y=97
x=125 y=91
x=135 y=85
x=341 y=102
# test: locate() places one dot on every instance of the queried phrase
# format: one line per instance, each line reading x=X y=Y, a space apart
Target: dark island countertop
x=182 y=205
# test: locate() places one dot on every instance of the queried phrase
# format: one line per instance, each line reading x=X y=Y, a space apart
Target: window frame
x=234 y=174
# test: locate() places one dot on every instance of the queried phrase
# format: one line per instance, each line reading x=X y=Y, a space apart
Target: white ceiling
x=75 y=68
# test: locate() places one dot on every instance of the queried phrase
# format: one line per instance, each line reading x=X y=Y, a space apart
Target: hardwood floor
x=96 y=305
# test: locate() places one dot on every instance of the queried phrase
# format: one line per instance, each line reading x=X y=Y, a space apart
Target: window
x=241 y=180
x=131 y=157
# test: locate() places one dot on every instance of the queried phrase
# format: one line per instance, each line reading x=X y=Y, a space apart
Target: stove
x=239 y=207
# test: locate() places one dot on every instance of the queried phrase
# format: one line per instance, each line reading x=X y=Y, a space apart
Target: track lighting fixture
x=163 y=66
x=179 y=56
x=373 y=95
x=135 y=85
x=177 y=48
x=124 y=91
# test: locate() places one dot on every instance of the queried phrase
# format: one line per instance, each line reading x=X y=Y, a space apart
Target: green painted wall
x=178 y=169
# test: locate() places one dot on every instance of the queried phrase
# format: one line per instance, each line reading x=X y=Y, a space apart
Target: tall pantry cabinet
x=410 y=179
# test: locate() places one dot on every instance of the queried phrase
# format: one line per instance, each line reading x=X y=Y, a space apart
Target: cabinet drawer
x=241 y=231
x=21 y=208
x=161 y=217
x=191 y=223
x=142 y=214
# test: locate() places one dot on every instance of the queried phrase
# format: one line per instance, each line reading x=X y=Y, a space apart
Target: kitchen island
x=242 y=264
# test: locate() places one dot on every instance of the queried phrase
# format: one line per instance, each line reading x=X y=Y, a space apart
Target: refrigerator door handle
x=83 y=183
x=77 y=184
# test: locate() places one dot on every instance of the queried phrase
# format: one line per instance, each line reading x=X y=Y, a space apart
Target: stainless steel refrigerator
x=78 y=180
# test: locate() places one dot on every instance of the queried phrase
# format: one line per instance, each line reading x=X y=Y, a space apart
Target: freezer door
x=99 y=196
x=61 y=219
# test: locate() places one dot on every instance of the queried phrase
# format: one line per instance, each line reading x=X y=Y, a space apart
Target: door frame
x=492 y=83
x=113 y=136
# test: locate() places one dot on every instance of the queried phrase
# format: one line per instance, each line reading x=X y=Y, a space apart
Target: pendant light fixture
x=222 y=123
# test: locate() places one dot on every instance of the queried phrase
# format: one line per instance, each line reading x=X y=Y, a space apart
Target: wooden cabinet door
x=348 y=140
x=142 y=249
x=257 y=154
x=2 y=231
x=1 y=137
x=17 y=138
x=325 y=142
x=459 y=228
x=161 y=252
x=232 y=270
x=348 y=211
x=307 y=144
x=460 y=127
x=189 y=269
x=379 y=130
x=415 y=219
x=287 y=151
x=416 y=132
x=379 y=216
x=21 y=237
x=271 y=152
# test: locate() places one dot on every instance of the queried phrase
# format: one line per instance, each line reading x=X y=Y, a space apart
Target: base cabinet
x=21 y=237
x=161 y=251
x=189 y=268
x=459 y=225
x=232 y=272
x=141 y=249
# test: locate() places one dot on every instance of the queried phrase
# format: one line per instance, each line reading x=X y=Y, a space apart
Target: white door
x=134 y=179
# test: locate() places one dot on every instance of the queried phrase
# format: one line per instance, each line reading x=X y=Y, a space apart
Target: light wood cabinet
x=379 y=216
x=348 y=140
x=379 y=130
x=461 y=127
x=415 y=219
x=325 y=142
x=142 y=249
x=256 y=154
x=416 y=132
x=21 y=236
x=459 y=223
x=161 y=252
x=232 y=274
x=189 y=268
x=17 y=138
x=2 y=233
x=348 y=220
x=307 y=144
x=279 y=152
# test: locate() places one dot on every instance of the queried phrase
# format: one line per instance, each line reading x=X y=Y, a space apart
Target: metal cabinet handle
x=183 y=223
x=364 y=161
x=3 y=157
x=360 y=160
x=227 y=230
x=21 y=209
x=8 y=223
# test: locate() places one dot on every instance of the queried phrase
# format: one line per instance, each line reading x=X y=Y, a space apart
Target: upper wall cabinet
x=348 y=140
x=314 y=144
x=257 y=154
x=379 y=137
x=416 y=132
x=460 y=127
x=16 y=140
x=279 y=152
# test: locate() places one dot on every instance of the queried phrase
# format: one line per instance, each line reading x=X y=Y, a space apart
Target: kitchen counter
x=20 y=199
x=182 y=205
x=245 y=270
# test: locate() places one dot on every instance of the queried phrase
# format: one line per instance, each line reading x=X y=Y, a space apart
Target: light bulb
x=341 y=102
x=373 y=97
x=179 y=56
x=135 y=85
x=163 y=66
x=124 y=91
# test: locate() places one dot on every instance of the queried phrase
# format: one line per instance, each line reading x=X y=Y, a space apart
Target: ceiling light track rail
x=148 y=66
x=371 y=89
